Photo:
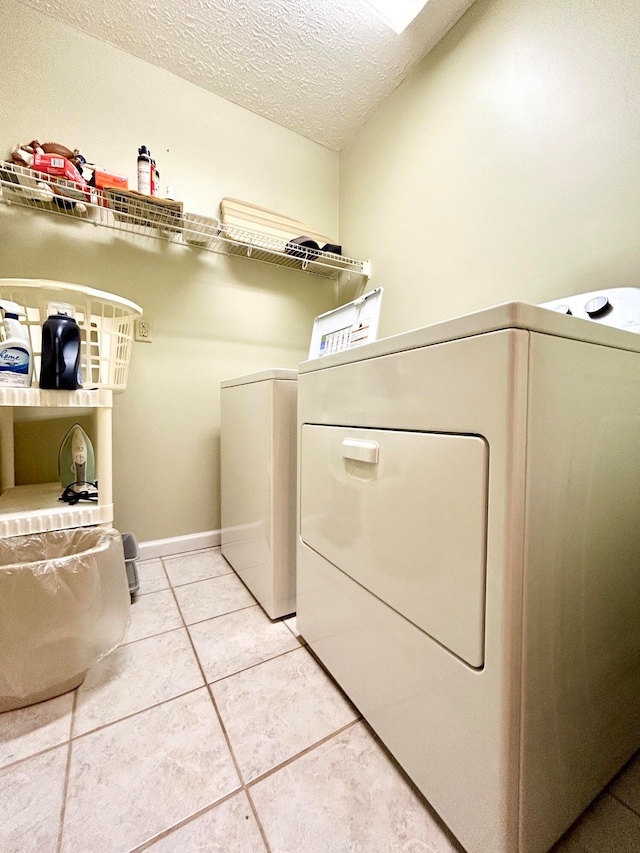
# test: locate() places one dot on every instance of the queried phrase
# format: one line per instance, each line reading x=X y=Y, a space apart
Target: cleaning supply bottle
x=144 y=170
x=60 y=362
x=16 y=353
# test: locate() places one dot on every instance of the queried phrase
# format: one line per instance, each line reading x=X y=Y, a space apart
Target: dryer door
x=404 y=514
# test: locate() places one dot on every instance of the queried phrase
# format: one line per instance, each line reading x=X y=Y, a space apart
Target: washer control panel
x=618 y=307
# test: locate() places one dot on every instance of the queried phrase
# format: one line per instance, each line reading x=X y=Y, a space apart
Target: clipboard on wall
x=350 y=325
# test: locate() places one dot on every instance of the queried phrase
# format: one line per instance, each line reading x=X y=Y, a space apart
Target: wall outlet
x=142 y=330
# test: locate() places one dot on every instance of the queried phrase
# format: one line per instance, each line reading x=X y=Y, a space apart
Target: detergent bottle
x=60 y=362
x=16 y=354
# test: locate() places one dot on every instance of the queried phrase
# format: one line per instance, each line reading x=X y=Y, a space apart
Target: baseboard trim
x=179 y=544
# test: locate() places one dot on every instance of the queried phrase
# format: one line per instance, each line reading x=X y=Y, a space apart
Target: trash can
x=64 y=605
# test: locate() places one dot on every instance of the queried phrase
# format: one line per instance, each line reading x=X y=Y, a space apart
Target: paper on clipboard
x=350 y=325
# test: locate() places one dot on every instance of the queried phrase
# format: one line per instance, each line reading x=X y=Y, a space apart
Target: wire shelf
x=127 y=211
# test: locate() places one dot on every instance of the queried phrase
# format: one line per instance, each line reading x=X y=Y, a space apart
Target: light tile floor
x=213 y=729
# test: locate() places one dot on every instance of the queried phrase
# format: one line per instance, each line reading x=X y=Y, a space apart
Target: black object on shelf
x=308 y=249
x=60 y=364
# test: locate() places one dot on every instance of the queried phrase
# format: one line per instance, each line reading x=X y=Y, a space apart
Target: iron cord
x=71 y=496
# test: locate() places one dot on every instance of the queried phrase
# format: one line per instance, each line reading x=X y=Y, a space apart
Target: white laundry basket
x=105 y=321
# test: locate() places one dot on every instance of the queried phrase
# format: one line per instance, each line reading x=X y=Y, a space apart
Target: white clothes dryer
x=469 y=559
x=258 y=484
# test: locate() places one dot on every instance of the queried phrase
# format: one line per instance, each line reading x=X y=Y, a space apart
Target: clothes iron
x=77 y=467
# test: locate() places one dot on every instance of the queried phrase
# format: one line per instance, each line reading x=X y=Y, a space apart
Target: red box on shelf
x=59 y=167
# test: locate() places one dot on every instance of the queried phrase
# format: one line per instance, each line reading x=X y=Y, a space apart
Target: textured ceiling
x=318 y=67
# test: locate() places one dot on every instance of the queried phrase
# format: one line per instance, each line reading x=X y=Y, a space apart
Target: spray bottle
x=16 y=353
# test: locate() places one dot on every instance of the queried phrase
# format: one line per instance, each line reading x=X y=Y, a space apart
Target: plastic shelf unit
x=36 y=508
x=143 y=216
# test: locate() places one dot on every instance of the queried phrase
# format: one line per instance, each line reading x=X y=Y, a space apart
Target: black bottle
x=60 y=361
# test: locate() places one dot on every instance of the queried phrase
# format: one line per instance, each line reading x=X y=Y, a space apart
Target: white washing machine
x=258 y=484
x=469 y=559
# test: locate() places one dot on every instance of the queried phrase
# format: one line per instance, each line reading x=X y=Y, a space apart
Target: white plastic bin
x=64 y=605
x=105 y=320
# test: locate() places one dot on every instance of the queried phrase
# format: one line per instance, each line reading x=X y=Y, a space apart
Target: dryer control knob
x=563 y=309
x=597 y=306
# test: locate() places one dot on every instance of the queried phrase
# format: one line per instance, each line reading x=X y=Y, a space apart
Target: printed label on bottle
x=14 y=366
x=144 y=178
x=14 y=360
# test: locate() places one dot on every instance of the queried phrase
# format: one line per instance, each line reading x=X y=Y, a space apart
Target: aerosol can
x=16 y=354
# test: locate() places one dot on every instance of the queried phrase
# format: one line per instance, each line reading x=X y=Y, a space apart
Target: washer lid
x=287 y=373
x=510 y=315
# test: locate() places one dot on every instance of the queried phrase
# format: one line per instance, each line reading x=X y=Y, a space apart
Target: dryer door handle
x=361 y=451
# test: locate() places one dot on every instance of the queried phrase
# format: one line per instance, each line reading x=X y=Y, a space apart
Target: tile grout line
x=67 y=772
x=73 y=736
x=205 y=684
x=209 y=618
x=33 y=754
x=622 y=802
x=155 y=704
x=270 y=772
x=180 y=585
x=53 y=746
x=159 y=634
x=150 y=637
x=243 y=785
x=253 y=666
x=208 y=688
x=201 y=580
x=204 y=550
x=140 y=711
x=164 y=560
x=184 y=625
x=162 y=701
x=165 y=575
x=183 y=822
x=224 y=733
x=256 y=816
x=179 y=628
